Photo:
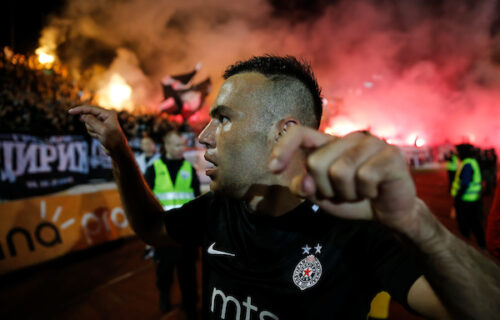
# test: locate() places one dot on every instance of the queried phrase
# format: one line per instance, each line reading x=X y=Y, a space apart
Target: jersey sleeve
x=392 y=267
x=187 y=224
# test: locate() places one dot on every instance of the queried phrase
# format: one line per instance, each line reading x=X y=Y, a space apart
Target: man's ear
x=283 y=125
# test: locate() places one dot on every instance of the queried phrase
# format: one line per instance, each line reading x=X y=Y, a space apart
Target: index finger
x=297 y=137
x=96 y=111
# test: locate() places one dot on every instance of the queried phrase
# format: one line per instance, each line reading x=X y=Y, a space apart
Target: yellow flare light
x=44 y=57
x=116 y=94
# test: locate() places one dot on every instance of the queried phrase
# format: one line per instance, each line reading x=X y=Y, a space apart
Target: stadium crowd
x=34 y=99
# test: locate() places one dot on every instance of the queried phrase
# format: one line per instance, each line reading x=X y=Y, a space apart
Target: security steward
x=466 y=191
x=174 y=182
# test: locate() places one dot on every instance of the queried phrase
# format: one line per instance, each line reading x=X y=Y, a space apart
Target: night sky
x=22 y=21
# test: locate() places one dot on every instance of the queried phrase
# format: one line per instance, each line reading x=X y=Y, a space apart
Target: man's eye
x=223 y=119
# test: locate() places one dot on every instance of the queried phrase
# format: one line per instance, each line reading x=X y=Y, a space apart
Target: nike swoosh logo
x=211 y=250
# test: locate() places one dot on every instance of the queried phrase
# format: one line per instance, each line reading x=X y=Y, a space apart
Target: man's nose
x=207 y=136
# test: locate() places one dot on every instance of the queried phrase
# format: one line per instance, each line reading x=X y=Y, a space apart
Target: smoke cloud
x=401 y=68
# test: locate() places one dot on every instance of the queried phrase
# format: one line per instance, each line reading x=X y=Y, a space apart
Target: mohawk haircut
x=277 y=69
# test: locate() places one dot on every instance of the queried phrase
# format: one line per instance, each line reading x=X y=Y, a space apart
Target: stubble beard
x=230 y=185
x=232 y=190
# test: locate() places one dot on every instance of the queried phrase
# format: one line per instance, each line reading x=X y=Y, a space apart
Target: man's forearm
x=143 y=211
x=467 y=282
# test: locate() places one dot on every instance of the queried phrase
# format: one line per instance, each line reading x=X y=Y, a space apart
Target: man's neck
x=273 y=200
x=272 y=197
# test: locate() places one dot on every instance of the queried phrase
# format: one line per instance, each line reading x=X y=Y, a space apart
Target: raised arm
x=143 y=211
x=466 y=281
x=359 y=168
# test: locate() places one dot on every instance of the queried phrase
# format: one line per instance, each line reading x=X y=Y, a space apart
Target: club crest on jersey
x=308 y=271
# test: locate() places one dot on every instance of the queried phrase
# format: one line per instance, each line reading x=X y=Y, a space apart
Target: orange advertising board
x=39 y=229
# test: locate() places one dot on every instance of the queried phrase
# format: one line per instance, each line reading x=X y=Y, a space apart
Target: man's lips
x=211 y=171
x=211 y=168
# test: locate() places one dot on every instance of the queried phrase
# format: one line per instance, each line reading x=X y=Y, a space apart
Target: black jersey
x=305 y=264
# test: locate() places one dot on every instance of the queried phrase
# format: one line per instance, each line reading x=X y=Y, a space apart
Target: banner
x=100 y=162
x=43 y=228
x=31 y=165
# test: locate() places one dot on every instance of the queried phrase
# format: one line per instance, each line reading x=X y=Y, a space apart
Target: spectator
x=148 y=155
x=466 y=191
x=174 y=182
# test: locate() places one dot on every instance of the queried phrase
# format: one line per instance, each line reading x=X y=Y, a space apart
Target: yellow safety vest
x=473 y=192
x=173 y=196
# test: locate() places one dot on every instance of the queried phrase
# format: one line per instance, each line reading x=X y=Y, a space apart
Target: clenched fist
x=358 y=176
